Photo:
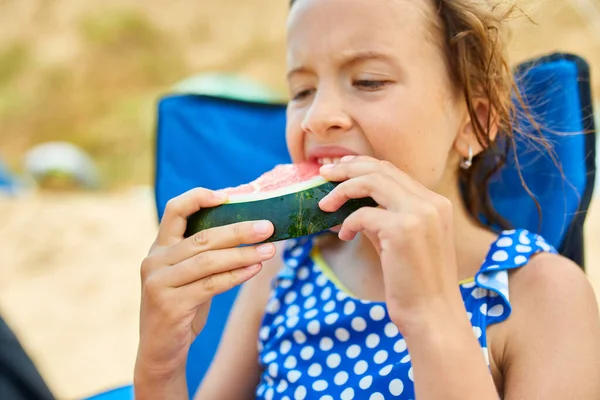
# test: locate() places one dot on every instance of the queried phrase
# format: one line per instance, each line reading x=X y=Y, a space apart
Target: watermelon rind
x=293 y=214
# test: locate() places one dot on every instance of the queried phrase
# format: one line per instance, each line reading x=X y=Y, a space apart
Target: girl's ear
x=467 y=136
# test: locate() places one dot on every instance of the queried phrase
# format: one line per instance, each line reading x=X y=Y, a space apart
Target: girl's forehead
x=380 y=14
x=338 y=26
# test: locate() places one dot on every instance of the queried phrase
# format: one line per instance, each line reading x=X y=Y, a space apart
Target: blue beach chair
x=214 y=142
x=557 y=90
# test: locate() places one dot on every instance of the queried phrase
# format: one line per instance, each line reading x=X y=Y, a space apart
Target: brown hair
x=473 y=40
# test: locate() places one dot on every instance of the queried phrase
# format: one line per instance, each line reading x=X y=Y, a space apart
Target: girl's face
x=368 y=77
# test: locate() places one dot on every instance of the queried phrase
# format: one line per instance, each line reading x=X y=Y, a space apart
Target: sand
x=69 y=284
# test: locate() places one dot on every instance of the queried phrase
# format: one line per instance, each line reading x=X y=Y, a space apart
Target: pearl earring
x=467 y=162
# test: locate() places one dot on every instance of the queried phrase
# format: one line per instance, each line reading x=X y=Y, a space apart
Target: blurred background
x=90 y=73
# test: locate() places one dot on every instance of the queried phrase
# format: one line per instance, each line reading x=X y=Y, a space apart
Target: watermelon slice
x=288 y=196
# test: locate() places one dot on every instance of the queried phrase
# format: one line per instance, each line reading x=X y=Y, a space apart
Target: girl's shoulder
x=521 y=267
x=554 y=317
x=550 y=281
x=535 y=269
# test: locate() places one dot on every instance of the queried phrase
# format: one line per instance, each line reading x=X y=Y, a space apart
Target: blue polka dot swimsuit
x=318 y=342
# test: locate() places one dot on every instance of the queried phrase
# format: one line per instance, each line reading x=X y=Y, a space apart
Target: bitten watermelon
x=288 y=196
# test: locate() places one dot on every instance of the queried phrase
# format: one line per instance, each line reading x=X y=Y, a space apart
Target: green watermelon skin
x=293 y=215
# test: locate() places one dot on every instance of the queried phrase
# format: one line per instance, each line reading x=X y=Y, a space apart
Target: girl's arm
x=448 y=362
x=234 y=373
x=550 y=345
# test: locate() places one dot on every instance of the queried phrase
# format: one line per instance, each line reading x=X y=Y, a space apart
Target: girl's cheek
x=295 y=144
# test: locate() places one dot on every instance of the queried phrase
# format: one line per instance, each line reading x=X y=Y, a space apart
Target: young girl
x=398 y=99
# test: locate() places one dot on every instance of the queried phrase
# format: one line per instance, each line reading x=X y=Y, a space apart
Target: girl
x=415 y=299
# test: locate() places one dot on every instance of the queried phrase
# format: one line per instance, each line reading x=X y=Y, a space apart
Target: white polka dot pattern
x=317 y=342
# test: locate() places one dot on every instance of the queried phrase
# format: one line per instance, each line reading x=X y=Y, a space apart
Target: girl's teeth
x=325 y=161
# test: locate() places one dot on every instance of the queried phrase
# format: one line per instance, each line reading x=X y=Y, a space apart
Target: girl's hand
x=411 y=231
x=181 y=276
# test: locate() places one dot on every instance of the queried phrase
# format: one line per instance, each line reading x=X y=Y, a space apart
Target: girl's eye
x=302 y=94
x=370 y=85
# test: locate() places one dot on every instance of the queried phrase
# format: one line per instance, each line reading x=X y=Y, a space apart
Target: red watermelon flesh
x=283 y=179
x=246 y=188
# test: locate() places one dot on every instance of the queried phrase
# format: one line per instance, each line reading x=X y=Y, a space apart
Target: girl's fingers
x=215 y=262
x=386 y=226
x=366 y=219
x=351 y=168
x=222 y=237
x=355 y=166
x=174 y=221
x=381 y=188
x=203 y=290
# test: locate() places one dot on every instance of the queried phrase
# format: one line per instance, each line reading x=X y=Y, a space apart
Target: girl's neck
x=471 y=241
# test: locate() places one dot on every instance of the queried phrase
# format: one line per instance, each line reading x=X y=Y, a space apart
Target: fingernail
x=262 y=227
x=265 y=249
x=253 y=267
x=220 y=195
x=347 y=158
x=327 y=167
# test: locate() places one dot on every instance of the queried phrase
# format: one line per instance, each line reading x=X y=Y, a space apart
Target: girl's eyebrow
x=351 y=58
x=297 y=71
x=355 y=57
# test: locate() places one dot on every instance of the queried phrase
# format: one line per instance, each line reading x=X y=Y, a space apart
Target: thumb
x=199 y=321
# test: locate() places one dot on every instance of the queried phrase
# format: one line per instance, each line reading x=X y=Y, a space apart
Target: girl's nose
x=326 y=115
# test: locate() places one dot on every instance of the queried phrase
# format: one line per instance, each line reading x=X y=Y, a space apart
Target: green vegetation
x=13 y=61
x=91 y=75
x=103 y=101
